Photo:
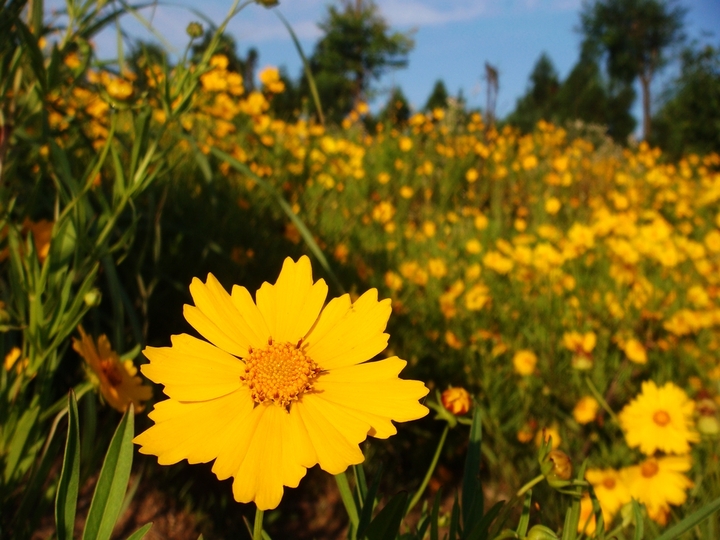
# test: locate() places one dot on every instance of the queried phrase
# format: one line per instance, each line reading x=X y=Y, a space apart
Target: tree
x=633 y=36
x=689 y=119
x=438 y=98
x=397 y=108
x=539 y=99
x=357 y=47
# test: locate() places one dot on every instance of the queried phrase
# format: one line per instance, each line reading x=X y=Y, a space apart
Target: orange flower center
x=661 y=418
x=112 y=372
x=280 y=372
x=649 y=469
x=609 y=483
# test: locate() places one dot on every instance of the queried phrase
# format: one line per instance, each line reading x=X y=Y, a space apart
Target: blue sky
x=453 y=39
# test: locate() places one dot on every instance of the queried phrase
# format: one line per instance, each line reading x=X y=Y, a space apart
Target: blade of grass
x=68 y=486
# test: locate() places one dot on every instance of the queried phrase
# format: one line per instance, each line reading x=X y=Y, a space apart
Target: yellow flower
x=270 y=79
x=524 y=362
x=610 y=489
x=118 y=381
x=585 y=410
x=12 y=357
x=282 y=385
x=658 y=483
x=587 y=523
x=548 y=433
x=659 y=419
x=477 y=297
x=405 y=144
x=456 y=400
x=472 y=175
x=552 y=206
x=635 y=351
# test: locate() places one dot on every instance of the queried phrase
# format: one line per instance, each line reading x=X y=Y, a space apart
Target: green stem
x=539 y=478
x=601 y=400
x=257 y=527
x=347 y=499
x=430 y=470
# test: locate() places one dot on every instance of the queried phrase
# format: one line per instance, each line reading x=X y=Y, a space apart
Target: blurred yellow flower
x=405 y=144
x=552 y=205
x=658 y=483
x=547 y=433
x=406 y=192
x=472 y=175
x=477 y=297
x=284 y=383
x=117 y=380
x=495 y=261
x=587 y=523
x=635 y=351
x=524 y=362
x=659 y=419
x=586 y=410
x=383 y=178
x=473 y=246
x=270 y=79
x=610 y=489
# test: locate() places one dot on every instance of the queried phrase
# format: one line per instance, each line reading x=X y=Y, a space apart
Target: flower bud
x=268 y=3
x=194 y=30
x=557 y=468
x=541 y=532
x=92 y=298
x=456 y=400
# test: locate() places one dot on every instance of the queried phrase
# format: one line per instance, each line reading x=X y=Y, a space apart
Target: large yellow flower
x=283 y=384
x=658 y=483
x=659 y=419
x=117 y=380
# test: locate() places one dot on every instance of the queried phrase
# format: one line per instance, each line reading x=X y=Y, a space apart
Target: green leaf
x=386 y=524
x=480 y=531
x=455 y=520
x=112 y=483
x=639 y=520
x=368 y=504
x=21 y=441
x=434 y=517
x=142 y=531
x=691 y=521
x=67 y=490
x=472 y=495
x=524 y=522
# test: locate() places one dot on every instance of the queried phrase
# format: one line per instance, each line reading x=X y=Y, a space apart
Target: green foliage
x=397 y=108
x=438 y=98
x=357 y=47
x=634 y=37
x=689 y=119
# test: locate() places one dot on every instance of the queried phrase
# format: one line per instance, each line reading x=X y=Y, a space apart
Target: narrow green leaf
x=368 y=504
x=112 y=483
x=639 y=521
x=142 y=531
x=524 y=522
x=472 y=494
x=480 y=531
x=386 y=524
x=306 y=67
x=434 y=517
x=454 y=520
x=67 y=490
x=691 y=521
x=21 y=441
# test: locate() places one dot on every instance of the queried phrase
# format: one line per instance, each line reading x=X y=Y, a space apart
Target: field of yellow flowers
x=565 y=289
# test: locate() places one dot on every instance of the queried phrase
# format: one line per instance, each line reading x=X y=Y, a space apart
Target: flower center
x=661 y=418
x=609 y=483
x=649 y=469
x=280 y=372
x=112 y=372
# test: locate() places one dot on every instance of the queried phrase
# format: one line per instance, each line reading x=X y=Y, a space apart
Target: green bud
x=194 y=30
x=268 y=3
x=557 y=468
x=541 y=532
x=92 y=298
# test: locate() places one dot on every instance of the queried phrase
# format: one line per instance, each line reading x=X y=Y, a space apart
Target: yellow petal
x=266 y=466
x=194 y=431
x=373 y=393
x=192 y=369
x=244 y=303
x=217 y=319
x=335 y=435
x=292 y=305
x=348 y=334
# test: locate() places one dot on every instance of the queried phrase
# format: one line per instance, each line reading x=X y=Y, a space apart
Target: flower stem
x=601 y=400
x=430 y=470
x=257 y=527
x=539 y=478
x=347 y=499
